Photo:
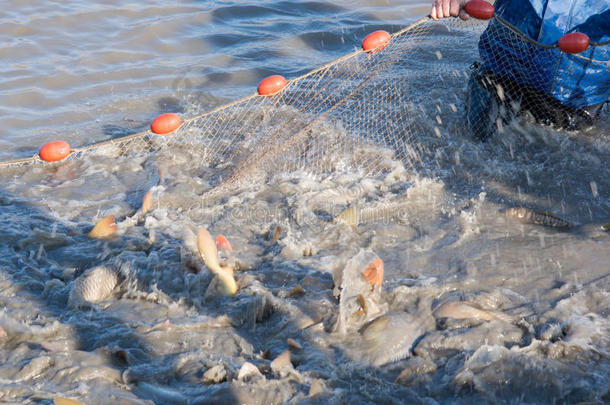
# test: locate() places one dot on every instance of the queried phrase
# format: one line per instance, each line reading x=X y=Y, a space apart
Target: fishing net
x=356 y=113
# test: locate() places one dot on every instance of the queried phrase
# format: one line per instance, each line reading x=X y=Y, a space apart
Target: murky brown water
x=475 y=305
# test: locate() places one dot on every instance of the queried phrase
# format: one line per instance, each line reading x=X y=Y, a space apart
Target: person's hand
x=448 y=8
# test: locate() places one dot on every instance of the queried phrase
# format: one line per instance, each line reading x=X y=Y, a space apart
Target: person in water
x=518 y=74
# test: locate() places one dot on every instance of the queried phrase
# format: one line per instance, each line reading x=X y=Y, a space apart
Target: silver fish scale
x=95 y=285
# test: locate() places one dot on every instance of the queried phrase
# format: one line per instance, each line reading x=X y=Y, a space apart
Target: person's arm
x=448 y=8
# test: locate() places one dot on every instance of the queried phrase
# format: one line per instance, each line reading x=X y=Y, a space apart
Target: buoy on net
x=479 y=9
x=54 y=151
x=574 y=42
x=271 y=85
x=376 y=41
x=165 y=123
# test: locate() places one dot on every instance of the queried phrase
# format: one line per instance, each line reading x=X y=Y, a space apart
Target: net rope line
x=275 y=101
x=555 y=45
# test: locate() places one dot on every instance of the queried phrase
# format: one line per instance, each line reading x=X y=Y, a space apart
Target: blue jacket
x=571 y=80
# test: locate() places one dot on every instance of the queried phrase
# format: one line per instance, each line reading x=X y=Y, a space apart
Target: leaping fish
x=223 y=282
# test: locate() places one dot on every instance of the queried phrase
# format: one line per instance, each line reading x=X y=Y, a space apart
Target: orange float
x=376 y=41
x=165 y=123
x=271 y=85
x=222 y=243
x=54 y=151
x=479 y=9
x=574 y=42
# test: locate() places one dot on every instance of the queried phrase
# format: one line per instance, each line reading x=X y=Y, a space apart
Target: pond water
x=474 y=305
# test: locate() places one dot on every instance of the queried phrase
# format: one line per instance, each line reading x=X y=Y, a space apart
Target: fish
x=248 y=370
x=209 y=252
x=293 y=344
x=147 y=202
x=315 y=388
x=222 y=243
x=363 y=308
x=531 y=216
x=95 y=285
x=467 y=310
x=65 y=401
x=276 y=234
x=381 y=213
x=296 y=291
x=105 y=228
x=373 y=273
x=282 y=361
x=360 y=296
x=389 y=338
x=223 y=283
x=189 y=239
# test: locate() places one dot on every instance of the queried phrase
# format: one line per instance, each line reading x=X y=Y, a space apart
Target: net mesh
x=351 y=113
